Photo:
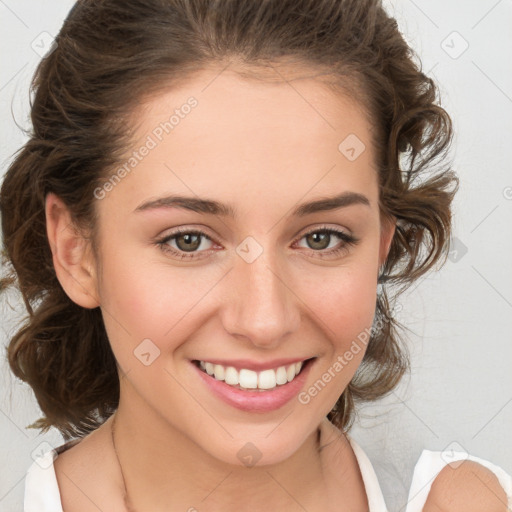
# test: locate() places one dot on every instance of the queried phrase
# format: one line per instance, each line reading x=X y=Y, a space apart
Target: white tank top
x=42 y=491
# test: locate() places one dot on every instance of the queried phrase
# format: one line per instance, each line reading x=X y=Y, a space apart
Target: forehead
x=258 y=105
x=223 y=134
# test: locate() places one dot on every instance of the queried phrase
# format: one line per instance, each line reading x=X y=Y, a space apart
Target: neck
x=164 y=470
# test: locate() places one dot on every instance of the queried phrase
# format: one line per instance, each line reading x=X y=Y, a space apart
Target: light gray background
x=459 y=394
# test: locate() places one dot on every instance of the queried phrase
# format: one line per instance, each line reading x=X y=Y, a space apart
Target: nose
x=262 y=306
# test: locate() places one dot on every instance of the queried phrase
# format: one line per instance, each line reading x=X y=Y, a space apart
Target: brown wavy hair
x=109 y=56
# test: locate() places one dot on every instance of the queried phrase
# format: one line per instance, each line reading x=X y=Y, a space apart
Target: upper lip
x=256 y=366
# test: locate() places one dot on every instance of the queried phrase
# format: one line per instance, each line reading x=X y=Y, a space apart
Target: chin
x=258 y=450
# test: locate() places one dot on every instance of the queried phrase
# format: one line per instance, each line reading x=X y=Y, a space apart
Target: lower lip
x=256 y=401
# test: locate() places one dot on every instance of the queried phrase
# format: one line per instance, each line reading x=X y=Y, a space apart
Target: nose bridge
x=261 y=306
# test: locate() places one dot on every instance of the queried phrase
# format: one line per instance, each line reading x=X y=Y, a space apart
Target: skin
x=263 y=148
x=467 y=486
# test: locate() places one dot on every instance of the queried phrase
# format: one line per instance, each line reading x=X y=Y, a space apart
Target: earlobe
x=71 y=253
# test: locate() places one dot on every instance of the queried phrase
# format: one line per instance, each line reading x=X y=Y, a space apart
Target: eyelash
x=348 y=240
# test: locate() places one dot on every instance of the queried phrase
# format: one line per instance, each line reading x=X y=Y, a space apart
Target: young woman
x=204 y=225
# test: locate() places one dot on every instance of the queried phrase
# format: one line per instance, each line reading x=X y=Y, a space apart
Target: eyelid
x=322 y=227
x=343 y=234
x=191 y=229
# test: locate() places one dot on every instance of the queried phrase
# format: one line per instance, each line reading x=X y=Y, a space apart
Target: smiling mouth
x=249 y=380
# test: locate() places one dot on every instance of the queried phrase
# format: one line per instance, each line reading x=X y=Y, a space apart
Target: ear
x=387 y=232
x=72 y=254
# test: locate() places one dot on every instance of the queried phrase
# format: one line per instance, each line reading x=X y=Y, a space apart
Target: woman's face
x=261 y=274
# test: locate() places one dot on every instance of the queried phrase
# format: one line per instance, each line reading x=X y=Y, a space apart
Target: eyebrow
x=212 y=207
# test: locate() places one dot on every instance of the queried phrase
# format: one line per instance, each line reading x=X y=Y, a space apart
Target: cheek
x=152 y=300
x=138 y=302
x=354 y=307
x=344 y=302
x=344 y=309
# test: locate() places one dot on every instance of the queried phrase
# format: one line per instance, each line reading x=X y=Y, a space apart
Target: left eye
x=186 y=241
x=321 y=239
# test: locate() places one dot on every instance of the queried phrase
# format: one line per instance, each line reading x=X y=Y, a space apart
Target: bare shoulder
x=86 y=474
x=468 y=486
x=79 y=456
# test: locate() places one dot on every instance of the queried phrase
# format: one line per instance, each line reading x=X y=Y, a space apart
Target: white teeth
x=249 y=379
x=231 y=377
x=218 y=371
x=267 y=379
x=209 y=368
x=281 y=377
